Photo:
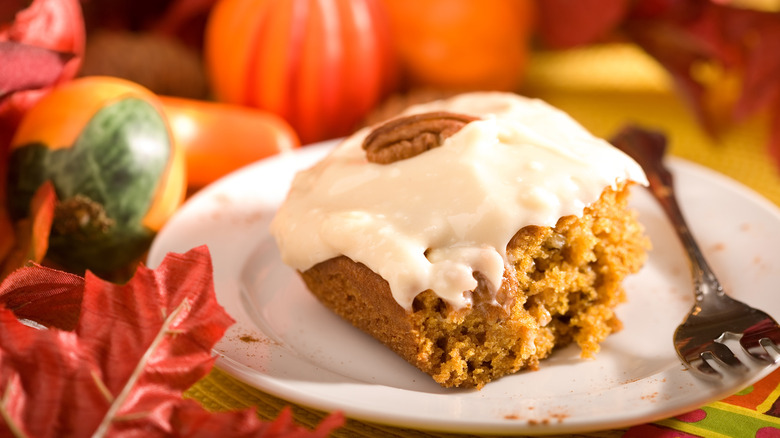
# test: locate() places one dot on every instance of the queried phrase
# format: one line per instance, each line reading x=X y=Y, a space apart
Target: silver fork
x=715 y=317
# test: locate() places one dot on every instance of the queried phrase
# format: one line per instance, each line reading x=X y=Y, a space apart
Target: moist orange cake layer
x=561 y=285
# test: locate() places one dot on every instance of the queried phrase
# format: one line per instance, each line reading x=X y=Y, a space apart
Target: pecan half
x=409 y=136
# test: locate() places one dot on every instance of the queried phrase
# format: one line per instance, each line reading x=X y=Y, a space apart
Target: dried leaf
x=185 y=20
x=52 y=25
x=32 y=234
x=774 y=134
x=135 y=349
x=42 y=47
x=761 y=80
x=9 y=8
x=123 y=369
x=283 y=426
x=46 y=296
x=7 y=235
x=152 y=339
x=36 y=370
x=568 y=23
x=678 y=51
x=25 y=67
x=724 y=59
x=192 y=421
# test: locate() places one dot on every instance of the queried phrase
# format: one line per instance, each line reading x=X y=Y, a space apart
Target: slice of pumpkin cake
x=471 y=235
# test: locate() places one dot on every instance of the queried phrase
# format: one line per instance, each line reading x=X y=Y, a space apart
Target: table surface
x=604 y=88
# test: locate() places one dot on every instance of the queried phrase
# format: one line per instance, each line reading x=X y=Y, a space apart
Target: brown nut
x=409 y=136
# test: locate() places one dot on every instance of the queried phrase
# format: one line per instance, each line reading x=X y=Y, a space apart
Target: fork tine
x=716 y=353
x=771 y=349
x=698 y=364
x=761 y=340
x=765 y=350
x=723 y=354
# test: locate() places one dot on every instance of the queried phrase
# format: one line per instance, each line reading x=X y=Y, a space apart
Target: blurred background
x=239 y=80
x=218 y=84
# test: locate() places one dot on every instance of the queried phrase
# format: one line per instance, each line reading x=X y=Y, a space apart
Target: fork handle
x=662 y=187
x=648 y=149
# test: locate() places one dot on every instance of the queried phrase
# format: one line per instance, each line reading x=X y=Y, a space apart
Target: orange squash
x=218 y=138
x=322 y=65
x=462 y=44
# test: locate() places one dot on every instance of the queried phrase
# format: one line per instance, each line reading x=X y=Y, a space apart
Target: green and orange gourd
x=106 y=146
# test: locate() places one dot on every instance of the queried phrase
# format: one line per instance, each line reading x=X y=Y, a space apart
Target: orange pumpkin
x=322 y=65
x=462 y=44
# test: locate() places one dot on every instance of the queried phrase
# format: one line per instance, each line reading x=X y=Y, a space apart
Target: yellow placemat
x=603 y=88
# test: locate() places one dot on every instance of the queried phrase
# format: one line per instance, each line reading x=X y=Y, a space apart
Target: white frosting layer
x=431 y=221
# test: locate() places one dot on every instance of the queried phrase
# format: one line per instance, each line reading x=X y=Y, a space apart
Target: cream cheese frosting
x=431 y=221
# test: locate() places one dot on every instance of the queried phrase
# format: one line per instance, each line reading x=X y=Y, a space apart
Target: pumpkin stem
x=79 y=217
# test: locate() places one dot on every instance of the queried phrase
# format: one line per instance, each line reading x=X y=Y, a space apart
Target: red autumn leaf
x=744 y=43
x=192 y=421
x=724 y=59
x=25 y=67
x=761 y=80
x=774 y=134
x=9 y=8
x=569 y=23
x=46 y=296
x=678 y=51
x=35 y=366
x=185 y=20
x=55 y=25
x=135 y=349
x=32 y=234
x=123 y=369
x=151 y=338
x=7 y=236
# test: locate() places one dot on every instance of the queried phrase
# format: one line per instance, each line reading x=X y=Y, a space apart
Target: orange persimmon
x=462 y=44
x=218 y=138
x=322 y=65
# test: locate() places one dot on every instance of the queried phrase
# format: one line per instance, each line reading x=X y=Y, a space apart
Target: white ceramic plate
x=286 y=343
